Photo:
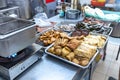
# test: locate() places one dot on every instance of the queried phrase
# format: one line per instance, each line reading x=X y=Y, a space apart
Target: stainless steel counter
x=50 y=68
x=58 y=19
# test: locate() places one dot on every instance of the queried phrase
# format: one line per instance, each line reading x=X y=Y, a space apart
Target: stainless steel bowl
x=72 y=14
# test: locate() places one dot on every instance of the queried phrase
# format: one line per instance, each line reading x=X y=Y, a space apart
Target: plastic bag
x=41 y=18
x=42 y=23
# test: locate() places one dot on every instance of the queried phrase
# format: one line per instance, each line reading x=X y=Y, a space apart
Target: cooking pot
x=15 y=35
x=3 y=3
x=72 y=14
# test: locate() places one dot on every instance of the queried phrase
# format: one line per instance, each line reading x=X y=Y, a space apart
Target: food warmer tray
x=39 y=34
x=65 y=60
x=15 y=35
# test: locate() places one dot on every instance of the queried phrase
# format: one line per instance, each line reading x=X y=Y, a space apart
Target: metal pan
x=65 y=60
x=111 y=29
x=107 y=31
x=39 y=34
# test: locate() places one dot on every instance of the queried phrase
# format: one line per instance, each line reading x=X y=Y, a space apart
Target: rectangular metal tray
x=108 y=31
x=65 y=60
x=39 y=34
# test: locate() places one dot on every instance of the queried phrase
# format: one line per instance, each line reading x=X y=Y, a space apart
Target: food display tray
x=108 y=31
x=65 y=60
x=39 y=34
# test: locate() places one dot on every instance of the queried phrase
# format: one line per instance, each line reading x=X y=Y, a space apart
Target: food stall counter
x=50 y=68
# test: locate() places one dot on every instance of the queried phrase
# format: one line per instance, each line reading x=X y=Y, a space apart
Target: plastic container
x=96 y=3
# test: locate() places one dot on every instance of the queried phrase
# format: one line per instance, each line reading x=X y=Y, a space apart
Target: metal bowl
x=72 y=14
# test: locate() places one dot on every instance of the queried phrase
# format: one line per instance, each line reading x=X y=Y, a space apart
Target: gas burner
x=15 y=57
x=14 y=66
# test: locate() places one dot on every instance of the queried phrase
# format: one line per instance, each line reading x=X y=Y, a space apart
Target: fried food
x=85 y=50
x=70 y=56
x=51 y=50
x=75 y=61
x=65 y=51
x=58 y=51
x=79 y=49
x=61 y=42
x=51 y=36
x=84 y=62
x=73 y=44
x=95 y=40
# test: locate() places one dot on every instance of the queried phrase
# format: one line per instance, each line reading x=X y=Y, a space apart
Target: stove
x=11 y=67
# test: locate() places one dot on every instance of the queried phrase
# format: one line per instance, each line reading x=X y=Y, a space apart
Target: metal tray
x=57 y=26
x=58 y=57
x=39 y=34
x=108 y=31
x=105 y=31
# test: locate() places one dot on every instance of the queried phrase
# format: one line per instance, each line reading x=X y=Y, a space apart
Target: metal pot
x=3 y=3
x=72 y=14
x=15 y=35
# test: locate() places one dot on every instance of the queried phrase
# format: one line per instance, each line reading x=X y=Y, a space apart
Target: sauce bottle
x=62 y=12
